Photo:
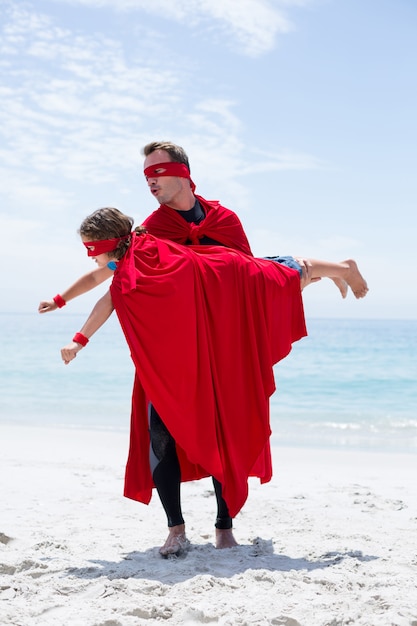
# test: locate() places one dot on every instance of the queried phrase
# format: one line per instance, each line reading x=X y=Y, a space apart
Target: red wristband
x=59 y=301
x=81 y=339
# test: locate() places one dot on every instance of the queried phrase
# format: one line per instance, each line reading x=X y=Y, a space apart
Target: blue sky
x=300 y=115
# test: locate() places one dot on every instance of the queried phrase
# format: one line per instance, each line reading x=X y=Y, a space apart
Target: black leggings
x=166 y=475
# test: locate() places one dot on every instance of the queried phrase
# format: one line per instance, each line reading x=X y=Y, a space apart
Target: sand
x=330 y=541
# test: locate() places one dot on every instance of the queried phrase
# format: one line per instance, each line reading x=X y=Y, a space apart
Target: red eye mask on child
x=170 y=168
x=94 y=248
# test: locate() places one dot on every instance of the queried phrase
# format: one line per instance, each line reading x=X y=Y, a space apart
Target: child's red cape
x=205 y=325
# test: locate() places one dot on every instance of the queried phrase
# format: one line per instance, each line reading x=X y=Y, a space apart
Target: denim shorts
x=289 y=261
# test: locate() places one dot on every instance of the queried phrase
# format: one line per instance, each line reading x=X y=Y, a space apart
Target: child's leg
x=343 y=274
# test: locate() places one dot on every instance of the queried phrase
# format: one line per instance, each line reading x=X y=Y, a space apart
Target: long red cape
x=205 y=325
x=220 y=224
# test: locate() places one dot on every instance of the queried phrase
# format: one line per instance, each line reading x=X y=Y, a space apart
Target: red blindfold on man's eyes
x=170 y=168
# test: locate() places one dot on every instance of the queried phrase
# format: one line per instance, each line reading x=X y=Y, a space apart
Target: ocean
x=349 y=384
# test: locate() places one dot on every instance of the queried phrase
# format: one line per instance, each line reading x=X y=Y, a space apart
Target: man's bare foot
x=341 y=285
x=355 y=280
x=225 y=538
x=176 y=543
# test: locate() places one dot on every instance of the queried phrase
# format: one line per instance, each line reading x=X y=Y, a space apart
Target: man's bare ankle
x=225 y=538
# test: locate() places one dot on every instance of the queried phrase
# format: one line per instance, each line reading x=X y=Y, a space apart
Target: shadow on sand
x=206 y=560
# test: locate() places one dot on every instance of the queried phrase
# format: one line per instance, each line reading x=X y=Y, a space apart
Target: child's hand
x=69 y=352
x=47 y=305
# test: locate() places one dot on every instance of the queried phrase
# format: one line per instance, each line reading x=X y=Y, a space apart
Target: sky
x=299 y=115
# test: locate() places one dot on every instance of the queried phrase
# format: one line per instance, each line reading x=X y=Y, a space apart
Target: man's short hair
x=176 y=153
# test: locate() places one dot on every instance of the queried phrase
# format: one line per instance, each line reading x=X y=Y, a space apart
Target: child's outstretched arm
x=98 y=316
x=82 y=285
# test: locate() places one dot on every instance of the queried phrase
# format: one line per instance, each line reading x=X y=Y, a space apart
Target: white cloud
x=28 y=195
x=267 y=161
x=253 y=25
x=76 y=108
x=283 y=161
x=72 y=101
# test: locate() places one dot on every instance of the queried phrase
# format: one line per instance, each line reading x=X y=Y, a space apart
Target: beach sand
x=330 y=541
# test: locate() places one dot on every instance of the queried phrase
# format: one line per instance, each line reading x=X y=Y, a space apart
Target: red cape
x=220 y=224
x=205 y=325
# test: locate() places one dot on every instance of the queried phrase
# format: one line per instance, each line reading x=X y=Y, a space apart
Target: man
x=185 y=218
x=189 y=219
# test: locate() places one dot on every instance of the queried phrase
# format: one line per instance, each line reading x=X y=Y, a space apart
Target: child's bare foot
x=341 y=285
x=176 y=543
x=355 y=280
x=225 y=538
